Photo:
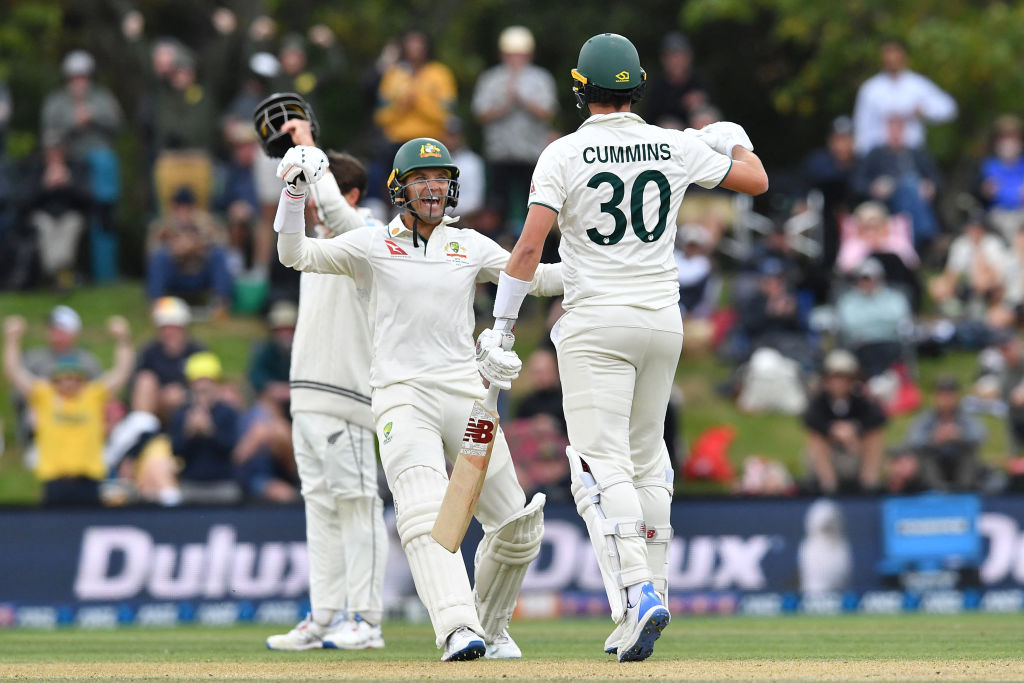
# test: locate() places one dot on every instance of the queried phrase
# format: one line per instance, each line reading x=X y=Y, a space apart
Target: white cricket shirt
x=420 y=299
x=617 y=184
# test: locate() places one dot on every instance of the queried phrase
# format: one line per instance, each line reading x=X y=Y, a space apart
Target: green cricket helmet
x=422 y=153
x=607 y=62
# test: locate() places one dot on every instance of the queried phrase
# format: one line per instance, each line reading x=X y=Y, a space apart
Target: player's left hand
x=495 y=360
x=301 y=167
x=723 y=136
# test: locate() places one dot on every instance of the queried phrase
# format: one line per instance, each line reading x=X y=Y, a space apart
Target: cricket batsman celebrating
x=615 y=186
x=332 y=428
x=420 y=274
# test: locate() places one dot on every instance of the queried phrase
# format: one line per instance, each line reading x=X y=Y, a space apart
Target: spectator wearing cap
x=514 y=102
x=675 y=94
x=946 y=441
x=871 y=231
x=263 y=68
x=828 y=169
x=236 y=196
x=84 y=118
x=188 y=260
x=203 y=434
x=69 y=411
x=898 y=91
x=905 y=178
x=297 y=74
x=1000 y=177
x=159 y=386
x=771 y=316
x=845 y=431
x=973 y=280
x=873 y=319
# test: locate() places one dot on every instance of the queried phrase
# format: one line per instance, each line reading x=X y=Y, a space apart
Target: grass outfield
x=904 y=647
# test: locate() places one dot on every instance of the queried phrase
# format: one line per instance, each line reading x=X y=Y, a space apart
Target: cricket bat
x=463 y=492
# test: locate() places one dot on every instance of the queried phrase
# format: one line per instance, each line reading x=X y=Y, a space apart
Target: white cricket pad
x=656 y=500
x=502 y=559
x=604 y=531
x=440 y=576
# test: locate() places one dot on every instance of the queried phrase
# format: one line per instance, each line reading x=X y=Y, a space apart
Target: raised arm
x=17 y=374
x=124 y=355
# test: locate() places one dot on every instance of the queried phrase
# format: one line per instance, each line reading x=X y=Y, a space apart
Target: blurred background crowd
x=891 y=234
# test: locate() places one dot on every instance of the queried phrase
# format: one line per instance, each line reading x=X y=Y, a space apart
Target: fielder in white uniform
x=332 y=434
x=420 y=274
x=615 y=186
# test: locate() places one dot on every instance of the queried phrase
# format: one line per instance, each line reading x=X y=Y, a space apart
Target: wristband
x=511 y=292
x=289 y=217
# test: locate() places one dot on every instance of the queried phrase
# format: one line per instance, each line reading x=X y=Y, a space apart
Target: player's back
x=617 y=184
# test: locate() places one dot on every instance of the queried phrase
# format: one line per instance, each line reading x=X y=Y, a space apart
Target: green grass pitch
x=860 y=647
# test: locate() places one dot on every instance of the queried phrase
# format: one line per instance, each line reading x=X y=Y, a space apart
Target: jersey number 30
x=636 y=206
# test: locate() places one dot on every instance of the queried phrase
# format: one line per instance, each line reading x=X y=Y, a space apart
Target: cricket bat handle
x=491 y=400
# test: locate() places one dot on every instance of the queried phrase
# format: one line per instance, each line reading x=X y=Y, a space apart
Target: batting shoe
x=644 y=623
x=611 y=643
x=462 y=645
x=357 y=634
x=307 y=635
x=503 y=647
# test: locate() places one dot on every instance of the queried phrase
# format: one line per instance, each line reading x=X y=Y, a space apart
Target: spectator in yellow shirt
x=69 y=410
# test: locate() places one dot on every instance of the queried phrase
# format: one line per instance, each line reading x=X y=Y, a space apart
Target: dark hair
x=348 y=171
x=616 y=98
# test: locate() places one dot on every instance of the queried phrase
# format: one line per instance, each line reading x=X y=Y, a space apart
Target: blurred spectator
x=69 y=412
x=1010 y=377
x=537 y=434
x=673 y=96
x=263 y=68
x=203 y=433
x=472 y=174
x=159 y=387
x=825 y=556
x=871 y=231
x=514 y=102
x=415 y=97
x=903 y=472
x=771 y=317
x=187 y=260
x=903 y=177
x=898 y=91
x=5 y=182
x=828 y=170
x=946 y=441
x=1010 y=311
x=874 y=319
x=237 y=198
x=56 y=205
x=696 y=294
x=973 y=279
x=1000 y=182
x=845 y=431
x=264 y=454
x=85 y=117
x=296 y=75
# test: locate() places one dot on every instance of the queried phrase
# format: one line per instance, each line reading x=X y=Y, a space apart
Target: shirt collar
x=618 y=119
x=396 y=228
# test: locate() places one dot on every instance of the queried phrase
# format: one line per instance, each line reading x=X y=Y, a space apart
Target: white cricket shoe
x=503 y=647
x=462 y=645
x=642 y=626
x=307 y=635
x=354 y=635
x=611 y=643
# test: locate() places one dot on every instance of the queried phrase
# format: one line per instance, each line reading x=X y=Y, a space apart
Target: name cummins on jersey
x=617 y=184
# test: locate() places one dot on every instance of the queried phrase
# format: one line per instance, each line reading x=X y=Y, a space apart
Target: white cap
x=516 y=40
x=264 y=64
x=841 y=362
x=171 y=311
x=77 y=63
x=695 y=233
x=65 y=318
x=282 y=314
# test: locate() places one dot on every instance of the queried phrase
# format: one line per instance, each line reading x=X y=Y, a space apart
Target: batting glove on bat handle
x=301 y=167
x=500 y=368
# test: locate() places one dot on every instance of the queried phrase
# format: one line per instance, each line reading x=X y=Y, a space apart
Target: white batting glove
x=722 y=136
x=495 y=360
x=301 y=167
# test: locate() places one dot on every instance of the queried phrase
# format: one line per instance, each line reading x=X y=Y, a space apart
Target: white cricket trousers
x=345 y=533
x=419 y=427
x=617 y=365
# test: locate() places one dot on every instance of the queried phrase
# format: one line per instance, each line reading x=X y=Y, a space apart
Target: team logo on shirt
x=455 y=249
x=622 y=77
x=430 y=150
x=387 y=433
x=394 y=249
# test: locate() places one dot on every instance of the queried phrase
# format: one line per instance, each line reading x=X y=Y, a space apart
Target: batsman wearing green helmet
x=419 y=274
x=615 y=186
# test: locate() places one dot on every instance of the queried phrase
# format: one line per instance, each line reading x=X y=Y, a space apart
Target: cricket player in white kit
x=420 y=274
x=615 y=186
x=332 y=432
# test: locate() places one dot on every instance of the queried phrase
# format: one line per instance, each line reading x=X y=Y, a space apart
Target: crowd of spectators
x=822 y=311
